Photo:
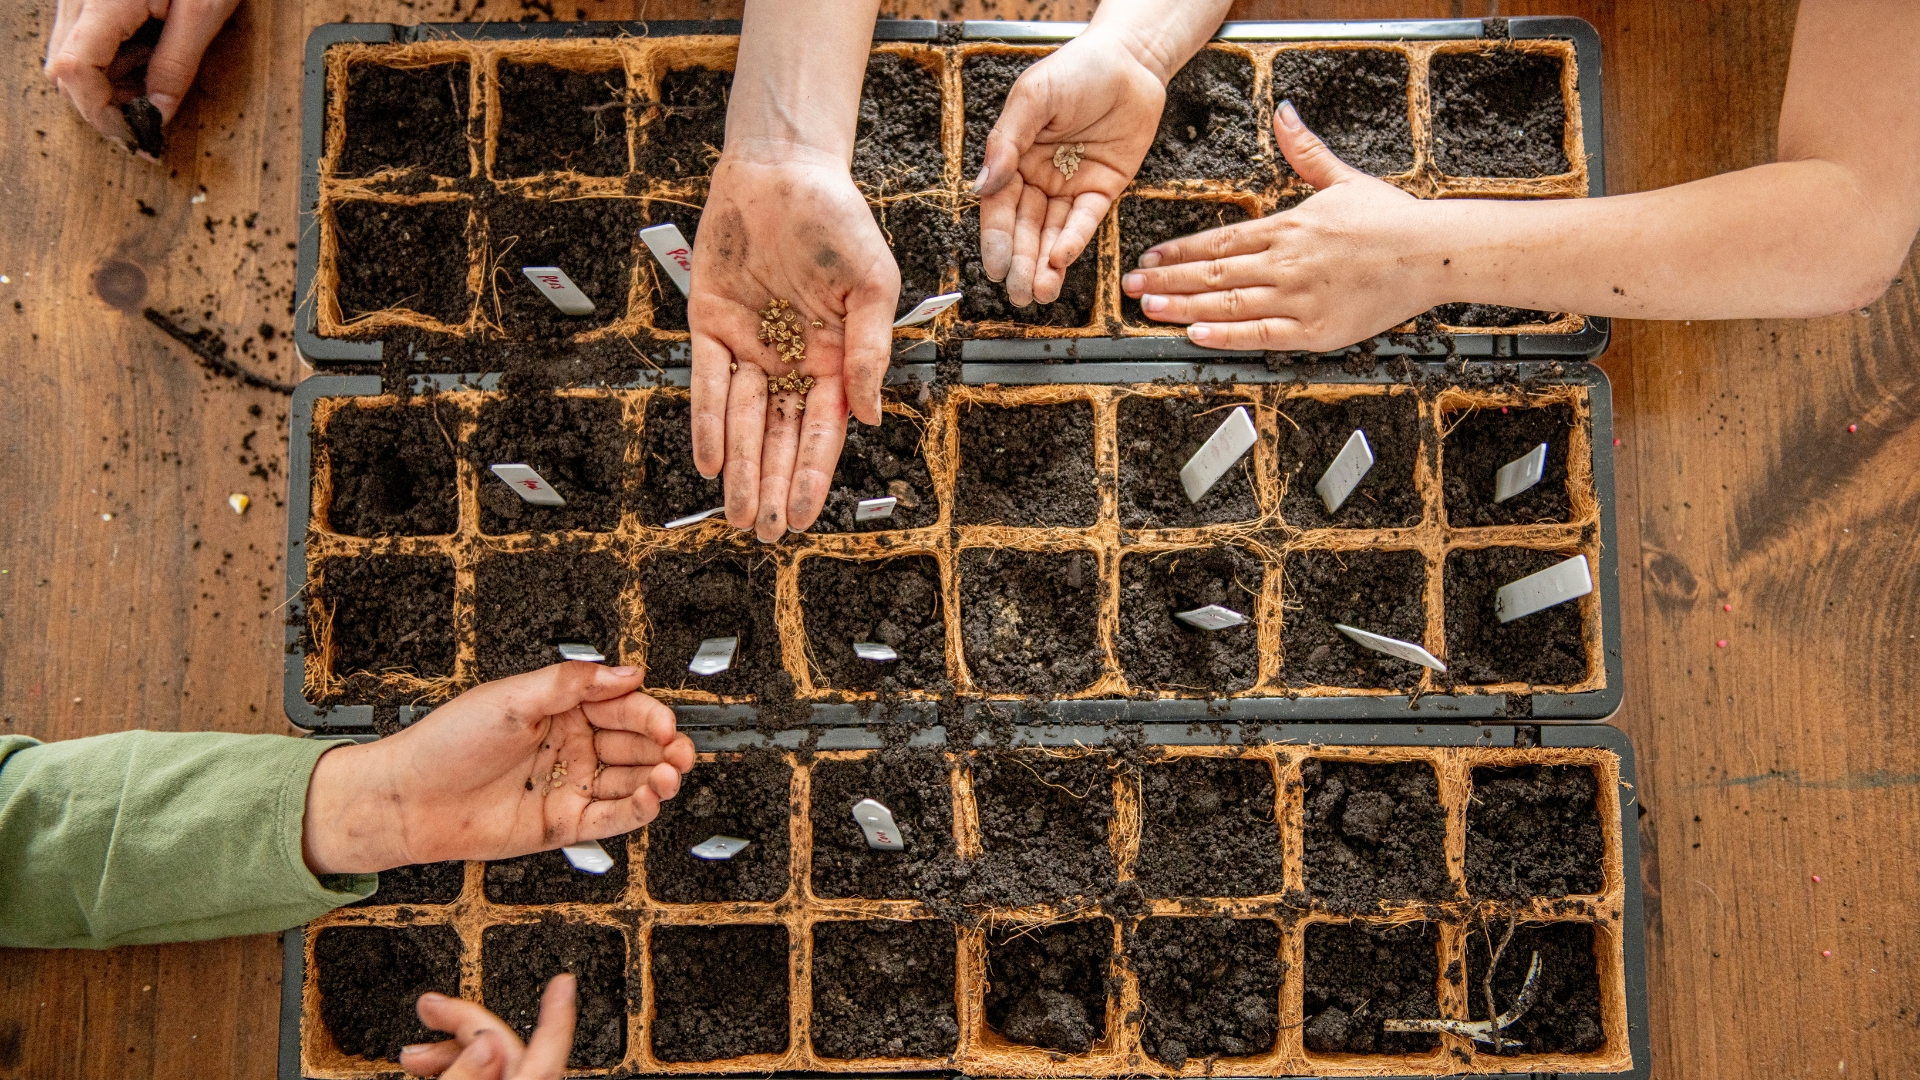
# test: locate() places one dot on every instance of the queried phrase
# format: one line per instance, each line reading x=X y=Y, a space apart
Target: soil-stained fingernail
x=625 y=672
x=1198 y=332
x=981 y=180
x=416 y=1048
x=1289 y=116
x=1133 y=283
x=1149 y=260
x=1150 y=302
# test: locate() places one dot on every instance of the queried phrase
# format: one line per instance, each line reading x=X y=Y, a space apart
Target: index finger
x=557 y=688
x=635 y=712
x=1241 y=238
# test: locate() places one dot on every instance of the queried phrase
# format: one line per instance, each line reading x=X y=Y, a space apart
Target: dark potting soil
x=683 y=137
x=1209 y=128
x=1565 y=1017
x=894 y=602
x=517 y=962
x=897 y=140
x=1498 y=113
x=392 y=469
x=1026 y=466
x=546 y=877
x=1489 y=315
x=149 y=130
x=874 y=463
x=1534 y=831
x=1479 y=441
x=555 y=120
x=927 y=243
x=883 y=989
x=1355 y=100
x=1359 y=975
x=669 y=303
x=398 y=256
x=422 y=883
x=1209 y=987
x=692 y=597
x=1146 y=222
x=406 y=118
x=719 y=991
x=1048 y=987
x=370 y=977
x=578 y=445
x=1386 y=497
x=1158 y=651
x=1544 y=648
x=390 y=613
x=985 y=80
x=1028 y=617
x=592 y=240
x=529 y=603
x=914 y=786
x=986 y=300
x=1383 y=592
x=1208 y=828
x=1157 y=437
x=673 y=488
x=744 y=795
x=1043 y=828
x=1374 y=832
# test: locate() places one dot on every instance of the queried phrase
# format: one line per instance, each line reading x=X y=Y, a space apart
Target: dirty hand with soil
x=106 y=54
x=483 y=1047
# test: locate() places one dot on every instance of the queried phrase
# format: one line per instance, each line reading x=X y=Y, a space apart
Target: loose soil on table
x=1544 y=648
x=1159 y=652
x=546 y=877
x=412 y=257
x=914 y=785
x=743 y=795
x=1379 y=591
x=1358 y=975
x=390 y=613
x=874 y=463
x=406 y=117
x=555 y=120
x=1565 y=1017
x=517 y=962
x=1386 y=497
x=669 y=303
x=1048 y=987
x=392 y=470
x=894 y=602
x=1534 y=831
x=897 y=140
x=421 y=883
x=1208 y=128
x=1209 y=986
x=1498 y=113
x=684 y=136
x=1489 y=315
x=1146 y=222
x=883 y=989
x=528 y=604
x=1374 y=832
x=578 y=445
x=1026 y=466
x=1028 y=620
x=1157 y=437
x=1043 y=829
x=692 y=597
x=370 y=977
x=1208 y=828
x=985 y=80
x=1479 y=441
x=719 y=991
x=673 y=488
x=1355 y=100
x=593 y=240
x=986 y=300
x=927 y=243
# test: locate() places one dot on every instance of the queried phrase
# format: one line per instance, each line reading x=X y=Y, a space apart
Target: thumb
x=191 y=25
x=1309 y=157
x=1021 y=119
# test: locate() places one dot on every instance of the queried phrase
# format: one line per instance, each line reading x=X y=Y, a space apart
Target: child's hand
x=485 y=1048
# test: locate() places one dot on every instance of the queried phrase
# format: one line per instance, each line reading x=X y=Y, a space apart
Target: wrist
x=349 y=824
x=781 y=148
x=1142 y=48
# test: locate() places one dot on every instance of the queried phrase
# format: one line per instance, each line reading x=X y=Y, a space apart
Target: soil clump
x=1359 y=975
x=1043 y=828
x=1026 y=466
x=883 y=989
x=555 y=120
x=399 y=256
x=1498 y=113
x=1534 y=831
x=1210 y=987
x=895 y=602
x=1373 y=833
x=719 y=992
x=406 y=118
x=1209 y=828
x=1048 y=987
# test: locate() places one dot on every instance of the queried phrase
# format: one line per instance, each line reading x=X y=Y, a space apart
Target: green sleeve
x=144 y=836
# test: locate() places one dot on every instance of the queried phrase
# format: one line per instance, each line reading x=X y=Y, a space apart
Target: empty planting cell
x=546 y=877
x=1489 y=315
x=985 y=300
x=1354 y=99
x=1546 y=648
x=893 y=602
x=897 y=138
x=421 y=883
x=1157 y=437
x=1533 y=831
x=530 y=603
x=390 y=613
x=399 y=118
x=592 y=240
x=1146 y=222
x=1478 y=442
x=1026 y=466
x=556 y=120
x=1208 y=828
x=578 y=445
x=883 y=989
x=1381 y=592
x=880 y=462
x=1209 y=128
x=517 y=962
x=395 y=256
x=1027 y=620
x=928 y=243
x=1210 y=987
x=1160 y=652
x=672 y=488
x=1312 y=434
x=369 y=978
x=1565 y=1016
x=744 y=795
x=719 y=992
x=391 y=469
x=669 y=303
x=1043 y=828
x=1358 y=976
x=1373 y=832
x=691 y=598
x=1498 y=112
x=1047 y=987
x=915 y=787
x=985 y=79
x=682 y=137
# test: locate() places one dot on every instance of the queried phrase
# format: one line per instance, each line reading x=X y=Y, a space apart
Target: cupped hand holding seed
x=483 y=1047
x=84 y=58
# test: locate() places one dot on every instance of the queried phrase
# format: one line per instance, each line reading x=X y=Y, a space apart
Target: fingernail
x=166 y=103
x=414 y=1049
x=1289 y=116
x=1149 y=260
x=1198 y=333
x=625 y=672
x=1133 y=283
x=1151 y=302
x=981 y=180
x=431 y=996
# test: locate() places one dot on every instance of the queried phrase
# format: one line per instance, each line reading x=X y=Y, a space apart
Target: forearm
x=796 y=86
x=1161 y=36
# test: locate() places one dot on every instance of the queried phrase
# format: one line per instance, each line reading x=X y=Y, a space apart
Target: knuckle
x=1212 y=273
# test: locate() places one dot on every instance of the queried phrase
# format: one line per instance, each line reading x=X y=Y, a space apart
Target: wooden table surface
x=1788 y=753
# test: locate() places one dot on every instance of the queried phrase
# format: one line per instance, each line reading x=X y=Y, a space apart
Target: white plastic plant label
x=588 y=856
x=694 y=519
x=875 y=509
x=529 y=485
x=672 y=252
x=719 y=848
x=1232 y=439
x=555 y=285
x=571 y=651
x=873 y=650
x=1520 y=474
x=927 y=309
x=1394 y=647
x=714 y=656
x=1211 y=617
x=877 y=822
x=1557 y=584
x=1346 y=472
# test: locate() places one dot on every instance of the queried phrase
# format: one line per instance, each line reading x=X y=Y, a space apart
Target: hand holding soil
x=485 y=1048
x=105 y=54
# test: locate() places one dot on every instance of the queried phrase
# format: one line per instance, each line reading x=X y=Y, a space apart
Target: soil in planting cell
x=685 y=134
x=1209 y=828
x=592 y=240
x=985 y=80
x=423 y=883
x=690 y=598
x=1489 y=315
x=673 y=488
x=546 y=877
x=1048 y=987
x=1210 y=987
x=669 y=303
x=744 y=795
x=1354 y=99
x=719 y=992
x=392 y=469
x=1359 y=975
x=1382 y=592
x=517 y=962
x=927 y=243
x=877 y=462
x=578 y=445
x=1027 y=619
x=1544 y=648
x=555 y=120
x=1158 y=436
x=1312 y=434
x=1026 y=466
x=894 y=602
x=1146 y=222
x=1565 y=1017
x=883 y=989
x=1043 y=828
x=390 y=613
x=914 y=786
x=985 y=300
x=1158 y=651
x=1534 y=831
x=406 y=118
x=403 y=256
x=1208 y=128
x=897 y=141
x=1498 y=113
x=1479 y=441
x=370 y=977
x=530 y=603
x=1374 y=832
